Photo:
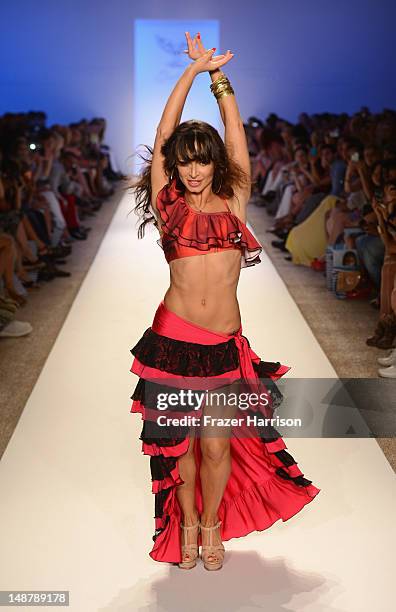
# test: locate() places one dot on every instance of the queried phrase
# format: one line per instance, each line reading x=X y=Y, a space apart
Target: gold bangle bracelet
x=222 y=87
x=228 y=92
x=222 y=77
x=222 y=81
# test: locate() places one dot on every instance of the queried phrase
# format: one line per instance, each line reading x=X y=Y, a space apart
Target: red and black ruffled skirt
x=265 y=483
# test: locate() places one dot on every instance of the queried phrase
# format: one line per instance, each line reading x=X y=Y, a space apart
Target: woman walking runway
x=209 y=486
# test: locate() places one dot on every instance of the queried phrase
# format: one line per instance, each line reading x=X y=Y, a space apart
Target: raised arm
x=170 y=119
x=234 y=133
x=172 y=112
x=236 y=142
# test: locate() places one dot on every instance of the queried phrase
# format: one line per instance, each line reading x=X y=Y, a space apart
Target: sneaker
x=389 y=360
x=16 y=329
x=388 y=372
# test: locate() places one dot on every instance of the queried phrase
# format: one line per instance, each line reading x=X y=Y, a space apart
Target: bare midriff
x=203 y=290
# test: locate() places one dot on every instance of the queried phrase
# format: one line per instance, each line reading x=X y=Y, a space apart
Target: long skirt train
x=265 y=483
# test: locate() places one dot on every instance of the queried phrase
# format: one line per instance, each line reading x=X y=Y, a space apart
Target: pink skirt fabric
x=265 y=483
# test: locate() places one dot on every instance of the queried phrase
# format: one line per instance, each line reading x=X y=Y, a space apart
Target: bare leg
x=335 y=224
x=186 y=497
x=186 y=492
x=215 y=471
x=388 y=275
x=215 y=466
x=23 y=242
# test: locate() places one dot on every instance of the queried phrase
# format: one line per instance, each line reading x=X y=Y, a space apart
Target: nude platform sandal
x=189 y=551
x=212 y=554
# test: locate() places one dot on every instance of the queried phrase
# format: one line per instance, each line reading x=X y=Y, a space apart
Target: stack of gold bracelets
x=221 y=87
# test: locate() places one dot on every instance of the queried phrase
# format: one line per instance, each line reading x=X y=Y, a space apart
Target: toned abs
x=203 y=290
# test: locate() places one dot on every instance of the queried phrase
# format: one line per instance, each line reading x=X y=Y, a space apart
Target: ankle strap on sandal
x=212 y=547
x=213 y=527
x=197 y=524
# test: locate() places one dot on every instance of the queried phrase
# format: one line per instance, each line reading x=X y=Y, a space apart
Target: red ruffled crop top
x=187 y=232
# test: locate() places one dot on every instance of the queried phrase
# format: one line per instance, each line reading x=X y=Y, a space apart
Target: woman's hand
x=204 y=60
x=207 y=63
x=195 y=46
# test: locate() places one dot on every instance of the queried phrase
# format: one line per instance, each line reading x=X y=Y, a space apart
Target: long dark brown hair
x=191 y=140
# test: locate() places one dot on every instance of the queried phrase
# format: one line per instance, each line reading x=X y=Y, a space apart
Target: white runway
x=77 y=510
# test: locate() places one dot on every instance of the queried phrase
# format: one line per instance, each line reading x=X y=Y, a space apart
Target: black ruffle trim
x=185 y=358
x=205 y=230
x=161 y=466
x=192 y=359
x=163 y=435
x=264 y=371
x=147 y=392
x=160 y=499
x=298 y=480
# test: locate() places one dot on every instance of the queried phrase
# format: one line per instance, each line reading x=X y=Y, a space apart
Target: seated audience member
x=335 y=167
x=359 y=191
x=384 y=207
x=309 y=182
x=322 y=183
x=307 y=244
x=305 y=205
x=308 y=240
x=42 y=202
x=295 y=183
x=278 y=158
x=368 y=243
